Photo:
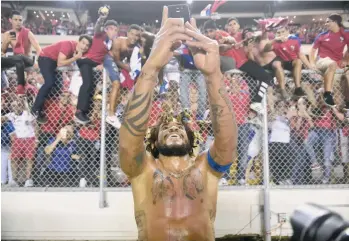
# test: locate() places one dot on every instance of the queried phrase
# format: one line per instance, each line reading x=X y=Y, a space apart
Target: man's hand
x=77 y=55
x=343 y=64
x=168 y=39
x=205 y=50
x=99 y=67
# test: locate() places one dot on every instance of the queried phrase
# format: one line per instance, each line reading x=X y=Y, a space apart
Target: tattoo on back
x=136 y=123
x=141 y=225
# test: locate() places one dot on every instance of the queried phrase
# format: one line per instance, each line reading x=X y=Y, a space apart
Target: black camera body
x=312 y=222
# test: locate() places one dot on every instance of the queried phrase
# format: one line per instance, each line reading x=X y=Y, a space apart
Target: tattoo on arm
x=141 y=225
x=217 y=111
x=136 y=117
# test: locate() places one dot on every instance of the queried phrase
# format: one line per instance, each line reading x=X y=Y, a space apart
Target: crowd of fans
x=305 y=135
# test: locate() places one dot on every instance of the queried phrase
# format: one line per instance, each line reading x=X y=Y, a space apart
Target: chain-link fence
x=308 y=142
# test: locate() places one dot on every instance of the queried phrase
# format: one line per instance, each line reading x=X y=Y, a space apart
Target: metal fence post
x=267 y=226
x=102 y=174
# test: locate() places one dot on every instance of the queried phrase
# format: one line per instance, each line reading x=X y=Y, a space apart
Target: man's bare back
x=184 y=203
x=262 y=57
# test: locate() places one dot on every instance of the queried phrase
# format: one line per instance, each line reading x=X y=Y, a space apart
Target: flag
x=206 y=11
x=217 y=4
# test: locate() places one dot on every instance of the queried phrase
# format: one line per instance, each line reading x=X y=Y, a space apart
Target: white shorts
x=322 y=64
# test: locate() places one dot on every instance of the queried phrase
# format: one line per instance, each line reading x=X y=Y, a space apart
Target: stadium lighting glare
x=189 y=1
x=51 y=12
x=156 y=21
x=313 y=19
x=63 y=16
x=294 y=16
x=286 y=16
x=320 y=19
x=53 y=15
x=37 y=16
x=34 y=12
x=45 y=11
x=48 y=14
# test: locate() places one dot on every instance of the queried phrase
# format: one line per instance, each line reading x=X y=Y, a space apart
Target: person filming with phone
x=21 y=40
x=175 y=191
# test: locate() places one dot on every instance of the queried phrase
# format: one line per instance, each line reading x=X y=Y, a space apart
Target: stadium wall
x=76 y=215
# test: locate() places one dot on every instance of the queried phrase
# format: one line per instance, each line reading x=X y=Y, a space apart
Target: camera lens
x=312 y=222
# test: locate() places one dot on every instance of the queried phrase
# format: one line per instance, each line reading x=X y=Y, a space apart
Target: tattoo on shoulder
x=163 y=187
x=136 y=123
x=141 y=225
x=193 y=184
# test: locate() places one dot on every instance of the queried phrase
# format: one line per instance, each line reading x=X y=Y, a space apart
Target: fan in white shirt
x=24 y=144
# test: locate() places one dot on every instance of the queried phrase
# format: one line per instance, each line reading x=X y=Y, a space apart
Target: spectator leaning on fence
x=330 y=46
x=101 y=44
x=119 y=57
x=24 y=144
x=20 y=39
x=62 y=53
x=231 y=45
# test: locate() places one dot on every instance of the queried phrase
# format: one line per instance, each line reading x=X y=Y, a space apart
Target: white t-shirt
x=23 y=124
x=75 y=83
x=280 y=130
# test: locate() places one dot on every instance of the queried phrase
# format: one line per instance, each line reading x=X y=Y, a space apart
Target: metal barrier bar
x=103 y=179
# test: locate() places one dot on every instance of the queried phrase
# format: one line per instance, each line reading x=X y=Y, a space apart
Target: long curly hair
x=166 y=117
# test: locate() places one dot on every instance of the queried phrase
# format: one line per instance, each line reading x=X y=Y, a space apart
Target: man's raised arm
x=137 y=112
x=223 y=150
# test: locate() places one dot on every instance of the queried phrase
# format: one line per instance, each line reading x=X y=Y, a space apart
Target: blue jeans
x=327 y=138
x=111 y=68
x=188 y=76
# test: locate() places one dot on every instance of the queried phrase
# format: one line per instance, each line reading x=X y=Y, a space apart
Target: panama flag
x=217 y=4
x=206 y=11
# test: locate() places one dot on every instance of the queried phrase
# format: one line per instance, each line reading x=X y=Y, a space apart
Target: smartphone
x=179 y=11
x=13 y=34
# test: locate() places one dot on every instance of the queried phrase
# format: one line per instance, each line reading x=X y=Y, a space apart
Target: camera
x=312 y=222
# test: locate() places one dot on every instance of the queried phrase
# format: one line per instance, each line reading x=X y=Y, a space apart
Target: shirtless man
x=175 y=193
x=20 y=39
x=122 y=48
x=267 y=59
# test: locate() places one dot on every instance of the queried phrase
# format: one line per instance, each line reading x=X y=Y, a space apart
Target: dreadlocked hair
x=184 y=117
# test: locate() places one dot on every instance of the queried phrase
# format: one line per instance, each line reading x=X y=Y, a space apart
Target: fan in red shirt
x=62 y=53
x=233 y=45
x=21 y=40
x=101 y=44
x=330 y=46
x=287 y=47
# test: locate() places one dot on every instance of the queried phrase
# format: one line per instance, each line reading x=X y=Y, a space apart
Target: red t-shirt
x=65 y=47
x=91 y=133
x=326 y=121
x=332 y=44
x=98 y=48
x=345 y=131
x=154 y=112
x=57 y=117
x=241 y=103
x=288 y=50
x=23 y=44
x=238 y=54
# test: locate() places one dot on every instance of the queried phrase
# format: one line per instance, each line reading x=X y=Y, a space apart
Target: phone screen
x=13 y=34
x=179 y=11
